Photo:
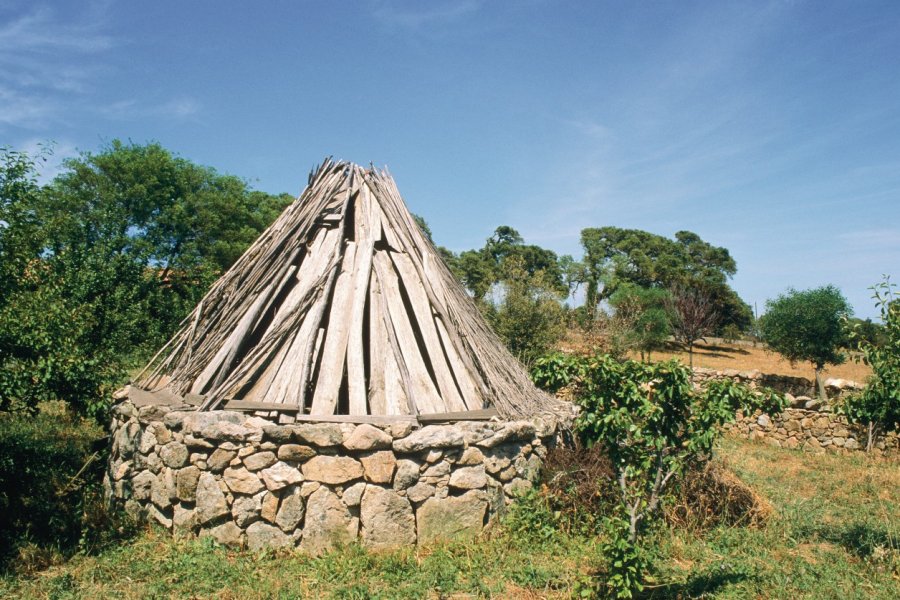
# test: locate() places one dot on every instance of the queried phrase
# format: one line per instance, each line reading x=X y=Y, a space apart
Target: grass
x=835 y=535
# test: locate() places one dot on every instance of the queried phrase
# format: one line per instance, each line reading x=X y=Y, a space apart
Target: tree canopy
x=808 y=326
x=100 y=265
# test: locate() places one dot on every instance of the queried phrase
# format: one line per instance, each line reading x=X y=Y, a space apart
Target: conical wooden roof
x=343 y=307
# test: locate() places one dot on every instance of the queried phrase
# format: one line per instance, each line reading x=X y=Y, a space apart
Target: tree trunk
x=691 y=355
x=820 y=385
x=872 y=435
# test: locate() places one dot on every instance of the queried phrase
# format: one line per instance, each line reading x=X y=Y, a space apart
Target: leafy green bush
x=50 y=496
x=652 y=425
x=878 y=405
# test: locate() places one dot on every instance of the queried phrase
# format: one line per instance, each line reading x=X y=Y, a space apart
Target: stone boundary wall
x=247 y=481
x=808 y=423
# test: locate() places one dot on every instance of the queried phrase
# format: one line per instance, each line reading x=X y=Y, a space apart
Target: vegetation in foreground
x=834 y=534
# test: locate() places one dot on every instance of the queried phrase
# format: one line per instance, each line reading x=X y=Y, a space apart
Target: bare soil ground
x=741 y=355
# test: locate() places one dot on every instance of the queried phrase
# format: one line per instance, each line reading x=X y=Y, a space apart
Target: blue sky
x=772 y=129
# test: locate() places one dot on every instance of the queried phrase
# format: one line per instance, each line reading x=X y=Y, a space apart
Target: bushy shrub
x=50 y=496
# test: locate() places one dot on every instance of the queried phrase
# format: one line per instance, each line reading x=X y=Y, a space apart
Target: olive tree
x=808 y=326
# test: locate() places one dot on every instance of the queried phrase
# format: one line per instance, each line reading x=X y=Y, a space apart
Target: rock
x=468 y=478
x=242 y=481
x=186 y=483
x=439 y=470
x=399 y=429
x=471 y=456
x=122 y=470
x=407 y=474
x=260 y=460
x=308 y=487
x=367 y=437
x=813 y=404
x=500 y=457
x=227 y=534
x=193 y=442
x=328 y=522
x=163 y=435
x=159 y=516
x=515 y=430
x=420 y=492
x=184 y=518
x=386 y=519
x=332 y=469
x=295 y=452
x=246 y=451
x=148 y=441
x=175 y=419
x=196 y=422
x=353 y=494
x=451 y=517
x=851 y=444
x=291 y=512
x=277 y=433
x=517 y=487
x=763 y=420
x=227 y=432
x=378 y=467
x=430 y=437
x=141 y=484
x=211 y=503
x=220 y=459
x=476 y=431
x=792 y=425
x=162 y=490
x=433 y=456
x=323 y=435
x=261 y=535
x=269 y=508
x=281 y=475
x=246 y=509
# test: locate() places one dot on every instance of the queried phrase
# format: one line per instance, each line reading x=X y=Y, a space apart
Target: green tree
x=808 y=326
x=652 y=424
x=614 y=256
x=528 y=317
x=641 y=319
x=877 y=406
x=121 y=245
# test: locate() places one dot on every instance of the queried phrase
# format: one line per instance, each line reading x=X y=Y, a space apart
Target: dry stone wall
x=807 y=424
x=247 y=481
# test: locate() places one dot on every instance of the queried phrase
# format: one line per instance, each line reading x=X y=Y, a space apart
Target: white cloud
x=417 y=16
x=177 y=108
x=45 y=59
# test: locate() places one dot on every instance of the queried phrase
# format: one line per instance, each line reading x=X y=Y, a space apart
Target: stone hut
x=335 y=384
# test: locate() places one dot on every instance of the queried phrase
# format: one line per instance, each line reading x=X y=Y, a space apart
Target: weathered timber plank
x=334 y=352
x=387 y=394
x=423 y=390
x=368 y=230
x=425 y=320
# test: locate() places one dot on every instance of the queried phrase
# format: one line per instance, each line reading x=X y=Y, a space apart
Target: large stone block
x=242 y=481
x=386 y=519
x=211 y=503
x=328 y=522
x=452 y=517
x=332 y=469
x=280 y=475
x=430 y=437
x=367 y=437
x=379 y=466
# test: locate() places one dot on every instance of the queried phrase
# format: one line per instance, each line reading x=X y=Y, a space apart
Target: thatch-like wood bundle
x=343 y=307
